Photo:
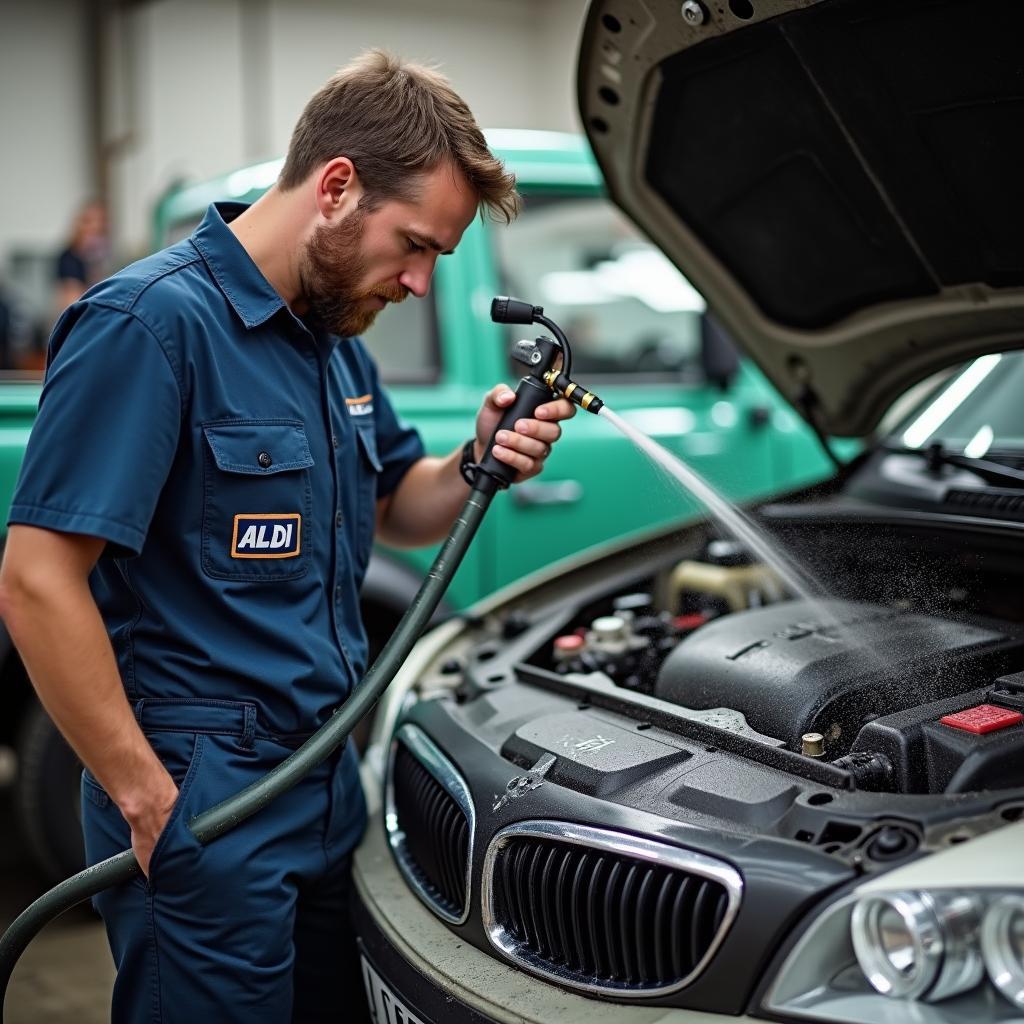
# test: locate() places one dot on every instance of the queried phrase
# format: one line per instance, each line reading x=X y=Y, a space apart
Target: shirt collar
x=248 y=291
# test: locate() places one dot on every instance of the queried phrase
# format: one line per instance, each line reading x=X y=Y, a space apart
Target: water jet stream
x=794 y=578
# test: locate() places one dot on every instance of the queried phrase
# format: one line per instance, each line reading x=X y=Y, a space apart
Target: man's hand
x=428 y=499
x=148 y=822
x=529 y=443
x=51 y=616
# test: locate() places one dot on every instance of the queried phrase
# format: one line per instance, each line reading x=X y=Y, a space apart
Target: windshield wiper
x=991 y=472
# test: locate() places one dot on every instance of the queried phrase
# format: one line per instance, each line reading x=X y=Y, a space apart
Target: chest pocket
x=369 y=468
x=257 y=500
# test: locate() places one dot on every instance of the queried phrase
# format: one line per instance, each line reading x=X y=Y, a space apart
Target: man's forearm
x=54 y=622
x=424 y=506
x=68 y=656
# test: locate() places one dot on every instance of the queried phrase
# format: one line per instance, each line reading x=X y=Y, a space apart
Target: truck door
x=636 y=327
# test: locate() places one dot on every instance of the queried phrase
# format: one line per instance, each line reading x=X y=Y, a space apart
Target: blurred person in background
x=84 y=260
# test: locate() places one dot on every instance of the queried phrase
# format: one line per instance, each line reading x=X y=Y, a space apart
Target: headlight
x=918 y=945
x=1002 y=944
x=918 y=955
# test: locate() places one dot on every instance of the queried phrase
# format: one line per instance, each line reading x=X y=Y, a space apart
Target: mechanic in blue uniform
x=212 y=458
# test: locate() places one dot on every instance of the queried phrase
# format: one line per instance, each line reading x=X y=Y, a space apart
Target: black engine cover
x=828 y=667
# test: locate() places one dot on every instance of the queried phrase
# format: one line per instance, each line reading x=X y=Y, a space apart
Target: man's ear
x=338 y=189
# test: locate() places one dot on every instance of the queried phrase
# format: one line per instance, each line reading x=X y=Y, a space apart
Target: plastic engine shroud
x=830 y=667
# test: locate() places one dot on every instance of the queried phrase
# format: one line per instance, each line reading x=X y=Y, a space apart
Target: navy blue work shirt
x=232 y=459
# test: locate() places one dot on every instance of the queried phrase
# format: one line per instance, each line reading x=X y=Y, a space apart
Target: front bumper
x=443 y=979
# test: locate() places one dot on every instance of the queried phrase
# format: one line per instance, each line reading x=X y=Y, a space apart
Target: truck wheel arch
x=46 y=796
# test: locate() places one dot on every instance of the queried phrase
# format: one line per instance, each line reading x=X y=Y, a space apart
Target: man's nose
x=417 y=278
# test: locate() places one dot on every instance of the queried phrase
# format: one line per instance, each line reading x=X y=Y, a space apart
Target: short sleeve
x=398 y=444
x=106 y=433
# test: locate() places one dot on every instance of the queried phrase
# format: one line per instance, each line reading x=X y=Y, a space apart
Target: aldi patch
x=267 y=535
x=361 y=406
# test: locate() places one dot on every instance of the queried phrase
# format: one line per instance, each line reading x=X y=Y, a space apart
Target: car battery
x=957 y=745
x=976 y=748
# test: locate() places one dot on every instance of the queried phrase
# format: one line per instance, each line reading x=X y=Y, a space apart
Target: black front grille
x=602 y=918
x=436 y=833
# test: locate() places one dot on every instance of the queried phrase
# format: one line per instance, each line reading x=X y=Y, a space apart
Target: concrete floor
x=66 y=973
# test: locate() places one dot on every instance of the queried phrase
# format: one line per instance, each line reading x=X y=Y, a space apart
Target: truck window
x=404 y=342
x=625 y=307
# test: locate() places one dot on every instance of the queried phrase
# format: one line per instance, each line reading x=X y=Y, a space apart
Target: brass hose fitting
x=576 y=393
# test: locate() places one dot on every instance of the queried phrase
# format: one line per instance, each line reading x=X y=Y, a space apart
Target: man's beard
x=330 y=274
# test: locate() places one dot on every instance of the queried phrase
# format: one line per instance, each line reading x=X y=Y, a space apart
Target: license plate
x=385 y=1006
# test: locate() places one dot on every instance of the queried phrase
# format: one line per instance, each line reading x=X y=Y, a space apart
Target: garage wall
x=228 y=93
x=45 y=166
x=179 y=63
x=559 y=27
x=192 y=88
x=487 y=47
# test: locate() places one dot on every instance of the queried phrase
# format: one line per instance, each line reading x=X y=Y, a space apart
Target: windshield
x=979 y=411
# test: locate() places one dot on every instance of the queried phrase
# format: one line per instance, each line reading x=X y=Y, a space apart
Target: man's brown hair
x=396 y=121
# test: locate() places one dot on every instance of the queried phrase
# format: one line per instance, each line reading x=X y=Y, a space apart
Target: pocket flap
x=258 y=446
x=368 y=440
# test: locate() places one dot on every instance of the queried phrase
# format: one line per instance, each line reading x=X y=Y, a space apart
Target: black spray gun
x=541 y=383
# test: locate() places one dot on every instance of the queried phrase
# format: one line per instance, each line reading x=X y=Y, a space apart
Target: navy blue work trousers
x=255 y=926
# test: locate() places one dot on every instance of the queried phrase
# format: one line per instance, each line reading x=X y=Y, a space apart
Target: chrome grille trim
x=616 y=843
x=427 y=753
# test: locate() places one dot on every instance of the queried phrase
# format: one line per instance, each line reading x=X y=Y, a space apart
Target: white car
x=649 y=785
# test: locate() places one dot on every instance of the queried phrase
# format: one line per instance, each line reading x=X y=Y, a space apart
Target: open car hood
x=843 y=180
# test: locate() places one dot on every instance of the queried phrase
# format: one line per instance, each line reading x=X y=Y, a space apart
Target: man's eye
x=414 y=246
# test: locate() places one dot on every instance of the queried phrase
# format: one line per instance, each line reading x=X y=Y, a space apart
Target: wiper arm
x=991 y=472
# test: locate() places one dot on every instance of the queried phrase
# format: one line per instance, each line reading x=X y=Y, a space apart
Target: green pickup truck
x=641 y=339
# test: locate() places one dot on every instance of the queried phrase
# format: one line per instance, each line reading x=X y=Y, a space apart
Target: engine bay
x=888 y=694
x=673 y=693
x=686 y=683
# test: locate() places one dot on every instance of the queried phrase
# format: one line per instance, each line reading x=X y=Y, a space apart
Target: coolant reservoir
x=740 y=586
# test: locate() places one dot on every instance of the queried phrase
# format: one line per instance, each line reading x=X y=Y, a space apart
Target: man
x=194 y=519
x=81 y=262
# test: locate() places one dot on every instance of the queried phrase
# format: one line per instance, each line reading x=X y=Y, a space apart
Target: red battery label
x=984 y=718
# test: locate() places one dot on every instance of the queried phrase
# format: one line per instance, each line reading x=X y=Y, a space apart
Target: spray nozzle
x=506 y=310
x=536 y=387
